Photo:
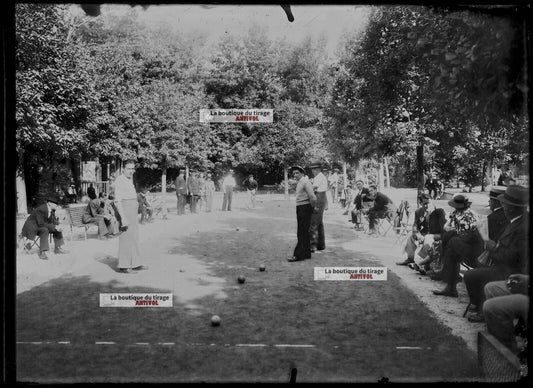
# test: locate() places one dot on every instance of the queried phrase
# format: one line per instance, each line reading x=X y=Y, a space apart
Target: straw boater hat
x=459 y=202
x=424 y=198
x=315 y=164
x=515 y=196
x=298 y=168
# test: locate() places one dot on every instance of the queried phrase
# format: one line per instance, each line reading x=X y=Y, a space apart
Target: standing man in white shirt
x=227 y=187
x=129 y=258
x=320 y=187
x=305 y=203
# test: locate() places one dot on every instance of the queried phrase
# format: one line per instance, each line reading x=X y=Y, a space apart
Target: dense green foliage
x=448 y=82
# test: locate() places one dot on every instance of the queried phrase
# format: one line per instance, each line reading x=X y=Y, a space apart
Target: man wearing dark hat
x=509 y=255
x=461 y=242
x=194 y=189
x=320 y=187
x=41 y=222
x=181 y=191
x=305 y=204
x=427 y=227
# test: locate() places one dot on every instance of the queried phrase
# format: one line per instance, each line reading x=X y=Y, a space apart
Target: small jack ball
x=262 y=267
x=215 y=320
x=241 y=279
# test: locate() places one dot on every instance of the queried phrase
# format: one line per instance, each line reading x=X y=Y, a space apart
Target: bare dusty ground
x=181 y=276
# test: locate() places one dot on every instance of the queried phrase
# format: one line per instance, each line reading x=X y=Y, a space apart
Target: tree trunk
x=419 y=169
x=344 y=176
x=286 y=180
x=483 y=175
x=164 y=179
x=22 y=206
x=380 y=176
x=387 y=177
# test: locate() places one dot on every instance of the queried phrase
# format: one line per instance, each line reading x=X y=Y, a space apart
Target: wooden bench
x=75 y=219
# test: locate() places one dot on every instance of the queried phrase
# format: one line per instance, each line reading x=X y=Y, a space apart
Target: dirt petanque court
x=277 y=321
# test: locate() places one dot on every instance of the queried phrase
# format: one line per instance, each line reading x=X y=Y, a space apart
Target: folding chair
x=465 y=267
x=28 y=244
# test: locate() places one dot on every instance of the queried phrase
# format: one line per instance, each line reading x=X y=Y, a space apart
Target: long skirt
x=128 y=243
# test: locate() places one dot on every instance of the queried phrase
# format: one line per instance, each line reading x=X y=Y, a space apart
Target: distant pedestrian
x=227 y=187
x=333 y=180
x=251 y=189
x=129 y=257
x=305 y=204
x=181 y=191
x=209 y=192
x=194 y=189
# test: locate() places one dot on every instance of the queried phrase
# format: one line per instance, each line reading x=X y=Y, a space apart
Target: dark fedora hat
x=424 y=198
x=515 y=196
x=459 y=201
x=298 y=168
x=495 y=191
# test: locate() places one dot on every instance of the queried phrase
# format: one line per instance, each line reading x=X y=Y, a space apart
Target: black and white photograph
x=266 y=193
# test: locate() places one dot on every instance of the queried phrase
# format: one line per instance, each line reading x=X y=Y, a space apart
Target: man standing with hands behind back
x=129 y=257
x=305 y=204
x=320 y=187
x=181 y=191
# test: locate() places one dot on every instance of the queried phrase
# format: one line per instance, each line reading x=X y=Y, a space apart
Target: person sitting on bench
x=43 y=221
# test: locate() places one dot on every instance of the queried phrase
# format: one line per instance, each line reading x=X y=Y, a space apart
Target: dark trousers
x=374 y=215
x=182 y=201
x=477 y=278
x=455 y=252
x=318 y=239
x=44 y=233
x=102 y=226
x=228 y=195
x=303 y=217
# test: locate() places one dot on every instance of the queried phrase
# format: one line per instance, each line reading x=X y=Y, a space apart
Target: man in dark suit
x=383 y=207
x=510 y=254
x=427 y=223
x=181 y=191
x=361 y=197
x=41 y=222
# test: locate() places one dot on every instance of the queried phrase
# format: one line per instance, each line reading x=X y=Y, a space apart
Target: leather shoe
x=140 y=268
x=405 y=262
x=476 y=318
x=293 y=259
x=42 y=255
x=445 y=292
x=125 y=270
x=60 y=251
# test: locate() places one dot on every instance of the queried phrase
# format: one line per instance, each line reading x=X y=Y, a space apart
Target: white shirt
x=229 y=181
x=320 y=183
x=124 y=188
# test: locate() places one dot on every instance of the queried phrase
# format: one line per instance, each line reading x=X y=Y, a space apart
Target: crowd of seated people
x=494 y=250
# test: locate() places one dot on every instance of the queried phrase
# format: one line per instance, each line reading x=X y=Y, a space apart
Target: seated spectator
x=382 y=208
x=72 y=196
x=113 y=203
x=435 y=186
x=145 y=209
x=361 y=201
x=506 y=301
x=347 y=197
x=109 y=213
x=508 y=248
x=460 y=242
x=43 y=221
x=92 y=216
x=91 y=192
x=427 y=228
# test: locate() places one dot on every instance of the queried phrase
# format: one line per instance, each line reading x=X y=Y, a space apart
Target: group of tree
x=447 y=84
